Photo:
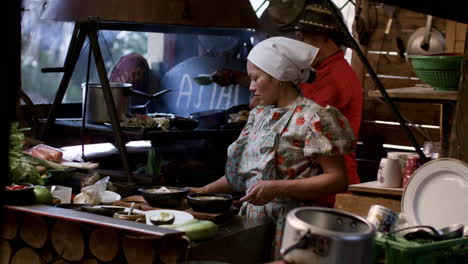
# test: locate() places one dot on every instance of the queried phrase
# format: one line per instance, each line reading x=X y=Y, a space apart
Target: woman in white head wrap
x=290 y=151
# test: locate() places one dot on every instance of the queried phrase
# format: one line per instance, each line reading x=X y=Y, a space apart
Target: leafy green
x=21 y=171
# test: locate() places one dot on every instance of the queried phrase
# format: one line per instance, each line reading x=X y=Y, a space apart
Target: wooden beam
x=458 y=148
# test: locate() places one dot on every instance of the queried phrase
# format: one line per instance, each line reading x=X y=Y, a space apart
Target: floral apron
x=253 y=157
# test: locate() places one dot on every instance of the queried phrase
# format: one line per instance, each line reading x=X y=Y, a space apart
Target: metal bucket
x=96 y=108
x=323 y=235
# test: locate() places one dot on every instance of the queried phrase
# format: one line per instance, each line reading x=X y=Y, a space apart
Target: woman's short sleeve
x=329 y=134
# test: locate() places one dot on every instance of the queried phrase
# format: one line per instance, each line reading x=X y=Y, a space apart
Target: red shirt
x=337 y=84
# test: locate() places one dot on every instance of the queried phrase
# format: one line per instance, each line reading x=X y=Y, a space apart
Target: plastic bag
x=92 y=194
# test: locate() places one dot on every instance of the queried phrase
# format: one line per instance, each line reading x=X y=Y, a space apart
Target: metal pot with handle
x=96 y=109
x=426 y=40
x=324 y=235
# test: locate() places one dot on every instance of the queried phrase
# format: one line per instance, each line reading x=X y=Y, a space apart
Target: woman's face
x=264 y=88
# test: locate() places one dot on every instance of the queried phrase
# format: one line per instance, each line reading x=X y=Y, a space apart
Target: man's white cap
x=283 y=58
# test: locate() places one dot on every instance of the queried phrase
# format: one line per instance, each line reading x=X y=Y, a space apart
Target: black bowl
x=164 y=199
x=210 y=202
x=21 y=196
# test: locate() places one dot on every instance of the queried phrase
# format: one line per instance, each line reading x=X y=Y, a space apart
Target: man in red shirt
x=335 y=83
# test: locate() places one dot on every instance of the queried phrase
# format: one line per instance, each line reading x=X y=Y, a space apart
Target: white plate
x=180 y=216
x=437 y=194
x=110 y=197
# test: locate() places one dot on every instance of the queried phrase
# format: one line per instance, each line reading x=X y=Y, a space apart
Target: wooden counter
x=362 y=196
x=40 y=233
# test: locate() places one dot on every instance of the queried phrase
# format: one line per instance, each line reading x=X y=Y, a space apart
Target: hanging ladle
x=449 y=232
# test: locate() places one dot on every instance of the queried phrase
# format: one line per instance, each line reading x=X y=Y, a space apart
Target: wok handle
x=149 y=96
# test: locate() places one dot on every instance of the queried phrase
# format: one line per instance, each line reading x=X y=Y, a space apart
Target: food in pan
x=144 y=121
x=162 y=190
x=241 y=116
x=211 y=198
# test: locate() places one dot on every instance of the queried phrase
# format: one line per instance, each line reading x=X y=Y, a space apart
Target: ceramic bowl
x=158 y=199
x=21 y=196
x=209 y=202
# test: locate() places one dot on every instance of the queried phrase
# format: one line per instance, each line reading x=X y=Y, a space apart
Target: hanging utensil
x=427 y=36
x=417 y=41
x=392 y=13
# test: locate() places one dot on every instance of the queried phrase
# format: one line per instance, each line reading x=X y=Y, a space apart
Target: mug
x=389 y=173
x=140 y=218
x=412 y=164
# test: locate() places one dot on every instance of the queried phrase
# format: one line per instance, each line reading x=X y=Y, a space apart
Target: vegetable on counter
x=20 y=169
x=46 y=152
x=196 y=229
x=14 y=187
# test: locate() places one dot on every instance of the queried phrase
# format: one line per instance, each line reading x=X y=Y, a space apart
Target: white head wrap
x=283 y=58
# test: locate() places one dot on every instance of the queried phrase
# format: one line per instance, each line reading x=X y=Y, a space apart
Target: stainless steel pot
x=96 y=108
x=324 y=235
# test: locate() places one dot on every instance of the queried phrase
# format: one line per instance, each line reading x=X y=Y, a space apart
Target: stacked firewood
x=33 y=239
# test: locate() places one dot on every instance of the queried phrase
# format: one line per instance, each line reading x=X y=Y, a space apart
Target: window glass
x=45 y=44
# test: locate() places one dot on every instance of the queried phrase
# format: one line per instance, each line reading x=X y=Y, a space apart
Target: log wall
x=33 y=239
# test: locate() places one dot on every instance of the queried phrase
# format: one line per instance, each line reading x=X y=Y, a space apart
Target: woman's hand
x=196 y=190
x=226 y=77
x=262 y=192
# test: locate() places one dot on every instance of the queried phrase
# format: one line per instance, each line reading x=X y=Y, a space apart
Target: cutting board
x=141 y=204
x=373 y=187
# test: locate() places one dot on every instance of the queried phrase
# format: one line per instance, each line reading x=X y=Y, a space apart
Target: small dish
x=210 y=202
x=162 y=218
x=22 y=196
x=135 y=217
x=180 y=217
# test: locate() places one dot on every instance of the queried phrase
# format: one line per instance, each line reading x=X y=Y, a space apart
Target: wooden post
x=459 y=141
